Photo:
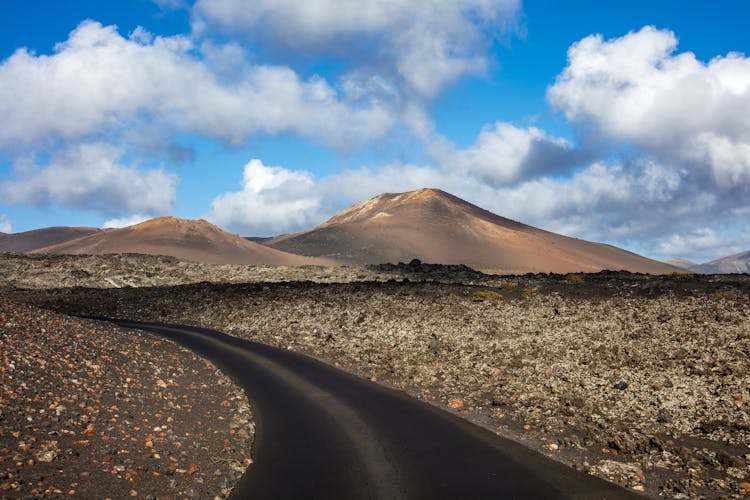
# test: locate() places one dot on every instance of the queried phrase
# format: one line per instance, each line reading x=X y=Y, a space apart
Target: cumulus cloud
x=357 y=185
x=128 y=220
x=98 y=81
x=684 y=111
x=92 y=176
x=424 y=44
x=5 y=224
x=643 y=206
x=272 y=200
x=504 y=154
x=704 y=243
x=601 y=202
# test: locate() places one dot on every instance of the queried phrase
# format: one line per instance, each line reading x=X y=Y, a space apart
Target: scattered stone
x=663 y=417
x=48 y=453
x=728 y=460
x=433 y=345
x=93 y=394
x=624 y=474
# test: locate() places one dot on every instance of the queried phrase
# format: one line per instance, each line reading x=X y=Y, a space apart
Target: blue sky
x=627 y=122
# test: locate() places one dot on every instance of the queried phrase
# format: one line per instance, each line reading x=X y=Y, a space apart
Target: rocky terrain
x=138 y=270
x=643 y=380
x=88 y=409
x=639 y=379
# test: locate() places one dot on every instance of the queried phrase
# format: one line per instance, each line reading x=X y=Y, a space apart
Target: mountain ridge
x=735 y=263
x=27 y=241
x=193 y=240
x=427 y=224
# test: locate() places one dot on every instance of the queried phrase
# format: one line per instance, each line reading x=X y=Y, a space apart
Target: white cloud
x=704 y=244
x=425 y=44
x=5 y=224
x=684 y=111
x=128 y=220
x=97 y=82
x=92 y=177
x=503 y=154
x=272 y=200
x=646 y=207
x=600 y=202
x=356 y=185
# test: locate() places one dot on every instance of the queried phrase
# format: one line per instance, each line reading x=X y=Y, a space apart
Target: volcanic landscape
x=629 y=369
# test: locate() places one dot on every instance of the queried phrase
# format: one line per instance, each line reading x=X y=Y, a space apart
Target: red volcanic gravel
x=93 y=410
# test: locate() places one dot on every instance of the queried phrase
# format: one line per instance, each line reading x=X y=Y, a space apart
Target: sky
x=621 y=122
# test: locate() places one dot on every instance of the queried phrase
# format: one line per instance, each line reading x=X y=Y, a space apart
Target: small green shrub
x=529 y=292
x=485 y=295
x=508 y=285
x=574 y=279
x=681 y=276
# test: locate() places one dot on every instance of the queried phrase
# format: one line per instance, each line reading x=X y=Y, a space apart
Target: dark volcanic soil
x=639 y=379
x=92 y=410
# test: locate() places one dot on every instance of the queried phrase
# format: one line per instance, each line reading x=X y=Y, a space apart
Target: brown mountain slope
x=194 y=240
x=737 y=263
x=39 y=238
x=437 y=227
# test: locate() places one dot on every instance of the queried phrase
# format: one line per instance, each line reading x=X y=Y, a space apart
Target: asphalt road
x=324 y=433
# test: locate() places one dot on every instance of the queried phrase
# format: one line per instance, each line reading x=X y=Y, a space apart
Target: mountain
x=437 y=227
x=683 y=263
x=194 y=240
x=737 y=263
x=39 y=238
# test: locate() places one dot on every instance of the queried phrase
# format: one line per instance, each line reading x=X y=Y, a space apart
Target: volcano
x=437 y=227
x=193 y=240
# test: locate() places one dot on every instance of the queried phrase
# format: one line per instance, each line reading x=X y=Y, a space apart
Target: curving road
x=324 y=433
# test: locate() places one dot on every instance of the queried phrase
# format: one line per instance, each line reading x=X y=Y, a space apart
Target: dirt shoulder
x=644 y=381
x=92 y=410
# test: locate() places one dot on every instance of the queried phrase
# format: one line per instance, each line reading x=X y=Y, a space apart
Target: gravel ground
x=121 y=270
x=640 y=380
x=134 y=270
x=92 y=410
